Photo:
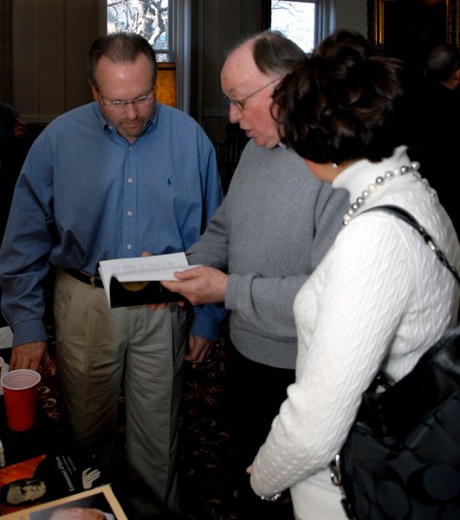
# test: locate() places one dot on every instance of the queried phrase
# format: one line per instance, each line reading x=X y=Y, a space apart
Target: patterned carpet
x=205 y=445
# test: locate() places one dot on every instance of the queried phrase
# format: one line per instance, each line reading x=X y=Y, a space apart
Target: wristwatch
x=272 y=498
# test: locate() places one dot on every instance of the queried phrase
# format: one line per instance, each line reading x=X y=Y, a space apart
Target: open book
x=136 y=281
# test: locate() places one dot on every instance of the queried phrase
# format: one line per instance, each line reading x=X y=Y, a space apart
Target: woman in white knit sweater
x=380 y=295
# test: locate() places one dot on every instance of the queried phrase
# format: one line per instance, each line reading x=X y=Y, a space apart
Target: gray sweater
x=271 y=231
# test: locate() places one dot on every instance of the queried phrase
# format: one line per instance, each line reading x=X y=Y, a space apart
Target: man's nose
x=132 y=110
x=234 y=114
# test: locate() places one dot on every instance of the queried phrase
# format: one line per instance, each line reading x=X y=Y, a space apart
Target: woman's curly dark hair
x=343 y=102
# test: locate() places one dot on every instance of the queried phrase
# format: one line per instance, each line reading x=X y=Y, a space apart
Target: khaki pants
x=94 y=345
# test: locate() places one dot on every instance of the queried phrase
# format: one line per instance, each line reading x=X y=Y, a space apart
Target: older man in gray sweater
x=271 y=231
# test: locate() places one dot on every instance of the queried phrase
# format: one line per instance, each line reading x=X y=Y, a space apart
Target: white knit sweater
x=380 y=295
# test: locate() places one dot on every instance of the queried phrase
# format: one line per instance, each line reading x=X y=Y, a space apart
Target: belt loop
x=92 y=280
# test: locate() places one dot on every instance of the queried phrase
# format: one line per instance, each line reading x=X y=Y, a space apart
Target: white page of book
x=142 y=269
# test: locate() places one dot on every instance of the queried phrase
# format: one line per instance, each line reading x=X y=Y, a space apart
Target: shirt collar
x=362 y=173
x=105 y=125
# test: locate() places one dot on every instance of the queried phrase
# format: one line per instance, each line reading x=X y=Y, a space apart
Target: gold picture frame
x=433 y=19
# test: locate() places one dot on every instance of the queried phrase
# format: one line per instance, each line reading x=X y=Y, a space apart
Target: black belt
x=89 y=279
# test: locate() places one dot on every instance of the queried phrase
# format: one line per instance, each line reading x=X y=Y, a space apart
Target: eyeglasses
x=241 y=103
x=121 y=103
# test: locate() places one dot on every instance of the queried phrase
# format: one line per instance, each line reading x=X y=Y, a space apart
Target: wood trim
x=6 y=51
x=376 y=18
x=266 y=20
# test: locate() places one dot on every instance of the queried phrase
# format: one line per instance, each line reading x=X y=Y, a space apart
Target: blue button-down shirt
x=85 y=194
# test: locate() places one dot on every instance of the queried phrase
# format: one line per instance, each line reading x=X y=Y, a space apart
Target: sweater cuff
x=230 y=292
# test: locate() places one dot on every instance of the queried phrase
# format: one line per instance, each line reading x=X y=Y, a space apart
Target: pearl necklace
x=379 y=181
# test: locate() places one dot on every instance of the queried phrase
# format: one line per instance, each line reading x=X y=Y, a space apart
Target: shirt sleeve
x=25 y=248
x=208 y=318
x=212 y=247
x=207 y=321
x=362 y=289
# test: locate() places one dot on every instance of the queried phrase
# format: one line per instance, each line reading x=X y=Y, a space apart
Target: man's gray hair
x=273 y=52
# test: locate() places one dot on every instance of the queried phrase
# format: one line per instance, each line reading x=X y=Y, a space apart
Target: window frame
x=181 y=43
x=180 y=20
x=324 y=17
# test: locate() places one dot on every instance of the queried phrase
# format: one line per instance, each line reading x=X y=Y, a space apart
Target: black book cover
x=127 y=294
x=45 y=478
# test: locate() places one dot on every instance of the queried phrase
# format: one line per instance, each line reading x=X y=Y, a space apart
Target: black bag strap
x=382 y=380
x=407 y=217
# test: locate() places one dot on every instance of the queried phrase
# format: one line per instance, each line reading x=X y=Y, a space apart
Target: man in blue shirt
x=112 y=179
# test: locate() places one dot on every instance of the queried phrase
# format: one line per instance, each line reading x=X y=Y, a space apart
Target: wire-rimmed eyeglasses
x=241 y=103
x=122 y=103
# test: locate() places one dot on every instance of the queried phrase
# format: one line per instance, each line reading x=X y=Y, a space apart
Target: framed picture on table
x=99 y=504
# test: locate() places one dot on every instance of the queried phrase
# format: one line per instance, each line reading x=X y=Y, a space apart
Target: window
x=296 y=20
x=150 y=19
x=306 y=22
x=166 y=25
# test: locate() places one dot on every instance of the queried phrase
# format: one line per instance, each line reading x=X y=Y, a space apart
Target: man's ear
x=457 y=75
x=94 y=91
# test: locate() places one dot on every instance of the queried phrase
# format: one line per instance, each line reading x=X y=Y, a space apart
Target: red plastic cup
x=20 y=391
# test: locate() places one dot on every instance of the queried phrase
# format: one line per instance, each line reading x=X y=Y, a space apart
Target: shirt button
x=129 y=246
x=130 y=180
x=130 y=213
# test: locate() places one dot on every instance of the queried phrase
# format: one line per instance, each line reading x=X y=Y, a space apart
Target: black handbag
x=401 y=459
